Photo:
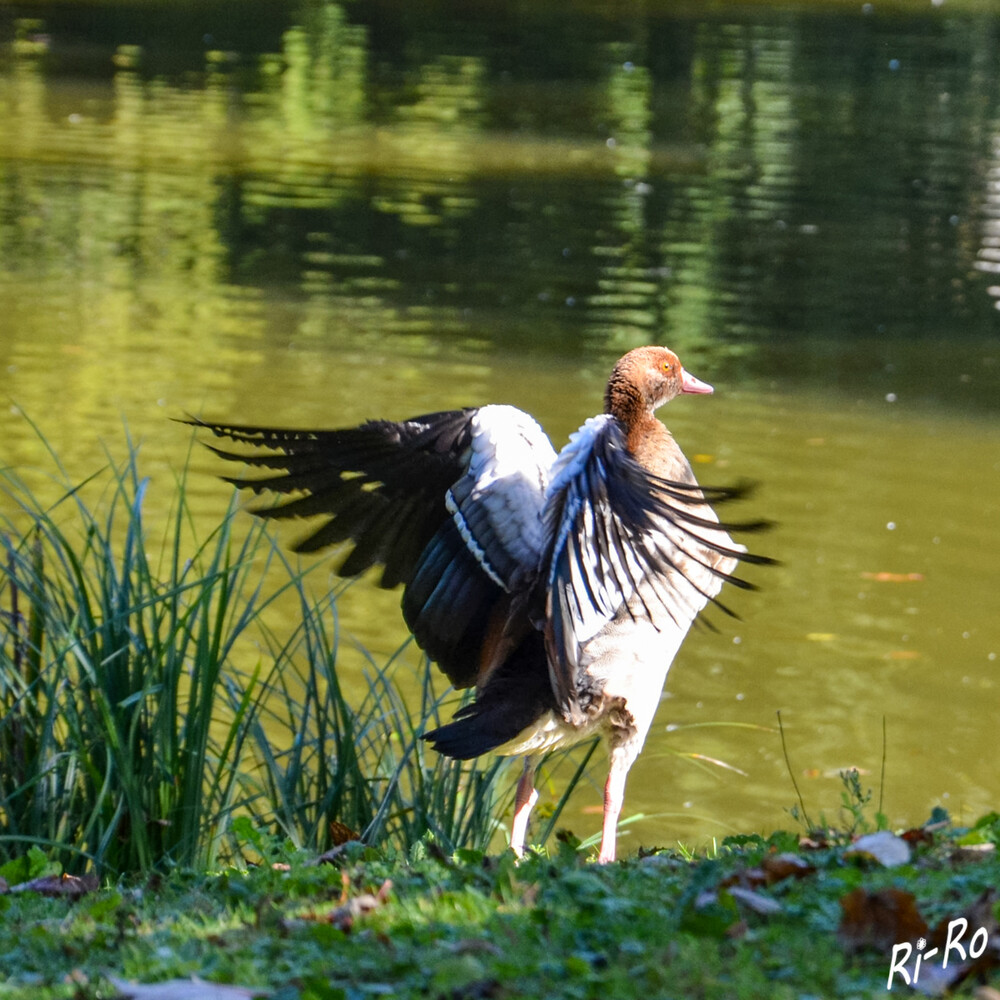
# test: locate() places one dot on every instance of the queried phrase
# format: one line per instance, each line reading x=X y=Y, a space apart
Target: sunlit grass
x=146 y=702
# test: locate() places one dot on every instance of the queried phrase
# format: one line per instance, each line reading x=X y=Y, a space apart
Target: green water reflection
x=317 y=214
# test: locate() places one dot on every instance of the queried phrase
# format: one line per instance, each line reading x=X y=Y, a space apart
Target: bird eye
x=666 y=366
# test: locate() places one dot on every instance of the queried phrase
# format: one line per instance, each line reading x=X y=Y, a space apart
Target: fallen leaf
x=774 y=868
x=918 y=835
x=879 y=920
x=778 y=867
x=185 y=989
x=815 y=841
x=885 y=847
x=330 y=857
x=341 y=833
x=742 y=885
x=763 y=905
x=972 y=852
x=70 y=886
x=344 y=916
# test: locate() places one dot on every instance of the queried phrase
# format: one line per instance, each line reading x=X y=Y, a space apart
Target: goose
x=559 y=586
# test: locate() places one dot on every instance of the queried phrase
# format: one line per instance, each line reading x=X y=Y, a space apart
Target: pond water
x=312 y=214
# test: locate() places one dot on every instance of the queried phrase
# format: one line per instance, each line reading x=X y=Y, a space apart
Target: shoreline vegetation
x=782 y=917
x=146 y=700
x=176 y=812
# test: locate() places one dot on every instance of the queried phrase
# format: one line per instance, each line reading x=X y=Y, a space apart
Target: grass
x=146 y=703
x=110 y=679
x=463 y=926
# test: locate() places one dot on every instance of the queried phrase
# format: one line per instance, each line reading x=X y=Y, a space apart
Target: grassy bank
x=774 y=919
x=147 y=701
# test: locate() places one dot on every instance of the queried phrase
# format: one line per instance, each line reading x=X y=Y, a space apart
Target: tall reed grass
x=146 y=701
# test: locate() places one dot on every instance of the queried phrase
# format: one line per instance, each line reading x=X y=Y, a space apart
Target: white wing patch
x=497 y=505
x=576 y=454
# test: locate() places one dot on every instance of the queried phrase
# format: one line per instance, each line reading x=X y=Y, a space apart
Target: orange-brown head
x=645 y=379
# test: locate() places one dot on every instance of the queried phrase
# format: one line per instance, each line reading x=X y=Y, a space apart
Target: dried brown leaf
x=774 y=868
x=349 y=910
x=69 y=886
x=816 y=841
x=778 y=867
x=879 y=920
x=341 y=833
x=918 y=835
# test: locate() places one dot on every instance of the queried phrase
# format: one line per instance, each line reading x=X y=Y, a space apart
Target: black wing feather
x=515 y=696
x=373 y=480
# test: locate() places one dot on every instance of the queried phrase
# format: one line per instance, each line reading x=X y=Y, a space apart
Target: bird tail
x=465 y=737
x=517 y=694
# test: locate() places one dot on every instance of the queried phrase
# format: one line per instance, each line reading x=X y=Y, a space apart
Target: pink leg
x=614 y=795
x=524 y=800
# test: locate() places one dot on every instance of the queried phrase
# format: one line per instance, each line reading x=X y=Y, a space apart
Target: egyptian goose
x=559 y=586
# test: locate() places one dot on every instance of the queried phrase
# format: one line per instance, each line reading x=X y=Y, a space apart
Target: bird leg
x=614 y=795
x=524 y=800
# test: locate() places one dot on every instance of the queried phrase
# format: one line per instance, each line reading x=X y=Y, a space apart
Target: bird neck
x=625 y=401
x=644 y=434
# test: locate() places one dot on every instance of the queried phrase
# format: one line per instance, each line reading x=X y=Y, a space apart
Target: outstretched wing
x=449 y=503
x=381 y=485
x=625 y=542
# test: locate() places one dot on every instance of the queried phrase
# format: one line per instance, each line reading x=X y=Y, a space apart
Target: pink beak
x=691 y=384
